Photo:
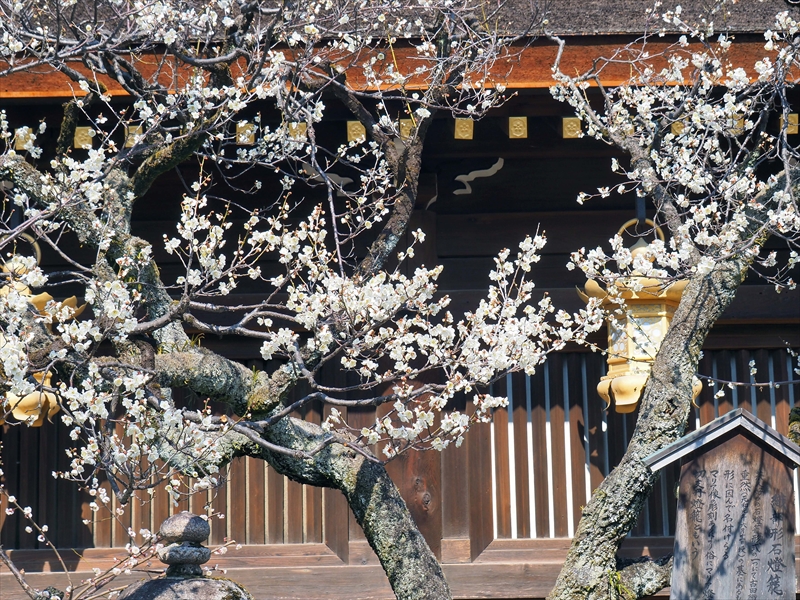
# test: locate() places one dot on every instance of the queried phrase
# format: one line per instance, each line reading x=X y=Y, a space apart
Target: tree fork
x=590 y=570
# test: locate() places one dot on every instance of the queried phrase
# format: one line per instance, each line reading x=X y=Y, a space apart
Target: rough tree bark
x=410 y=565
x=592 y=569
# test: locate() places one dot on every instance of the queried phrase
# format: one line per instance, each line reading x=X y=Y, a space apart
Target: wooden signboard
x=734 y=534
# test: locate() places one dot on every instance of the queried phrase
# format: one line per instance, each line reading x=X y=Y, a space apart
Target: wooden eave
x=736 y=419
x=530 y=67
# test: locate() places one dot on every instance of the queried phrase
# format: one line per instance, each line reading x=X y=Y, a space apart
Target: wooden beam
x=530 y=68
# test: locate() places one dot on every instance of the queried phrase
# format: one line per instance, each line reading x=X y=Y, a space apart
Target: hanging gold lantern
x=39 y=404
x=635 y=329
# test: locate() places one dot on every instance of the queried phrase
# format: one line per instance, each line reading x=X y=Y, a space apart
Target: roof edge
x=720 y=426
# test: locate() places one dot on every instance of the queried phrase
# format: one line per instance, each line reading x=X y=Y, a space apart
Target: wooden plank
x=721 y=359
x=595 y=419
x=10 y=523
x=238 y=489
x=731 y=491
x=478 y=444
x=502 y=476
x=485 y=234
x=455 y=487
x=29 y=460
x=541 y=451
x=417 y=476
x=220 y=516
x=275 y=482
x=521 y=458
x=557 y=445
x=742 y=374
x=337 y=514
x=256 y=500
x=103 y=520
x=577 y=434
x=761 y=358
x=313 y=495
x=358 y=418
x=782 y=407
x=705 y=400
x=160 y=505
x=336 y=523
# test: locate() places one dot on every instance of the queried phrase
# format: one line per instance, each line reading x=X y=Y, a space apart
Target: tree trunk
x=591 y=569
x=412 y=569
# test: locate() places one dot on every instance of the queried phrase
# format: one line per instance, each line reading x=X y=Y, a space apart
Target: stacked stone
x=183 y=535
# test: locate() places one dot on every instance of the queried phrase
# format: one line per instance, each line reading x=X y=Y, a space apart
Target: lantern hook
x=656 y=228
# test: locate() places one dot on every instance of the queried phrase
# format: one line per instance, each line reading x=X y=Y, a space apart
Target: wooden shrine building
x=499 y=511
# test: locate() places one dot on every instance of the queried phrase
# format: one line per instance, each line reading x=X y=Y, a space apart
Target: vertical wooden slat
x=578 y=434
x=120 y=523
x=778 y=373
x=29 y=460
x=256 y=501
x=557 y=447
x=160 y=510
x=10 y=523
x=417 y=475
x=313 y=495
x=478 y=444
x=358 y=418
x=742 y=373
x=219 y=502
x=722 y=362
x=761 y=358
x=238 y=491
x=103 y=520
x=595 y=420
x=455 y=487
x=540 y=453
x=337 y=512
x=502 y=499
x=337 y=535
x=721 y=365
x=275 y=507
x=5 y=445
x=706 y=398
x=521 y=458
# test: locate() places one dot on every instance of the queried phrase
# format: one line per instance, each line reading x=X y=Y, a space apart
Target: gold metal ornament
x=635 y=329
x=356 y=132
x=517 y=127
x=464 y=129
x=39 y=404
x=570 y=128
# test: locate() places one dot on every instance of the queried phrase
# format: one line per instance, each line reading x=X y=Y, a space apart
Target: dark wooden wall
x=526 y=475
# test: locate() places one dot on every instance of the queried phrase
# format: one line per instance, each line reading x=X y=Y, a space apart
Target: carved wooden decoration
x=463 y=129
x=518 y=127
x=734 y=534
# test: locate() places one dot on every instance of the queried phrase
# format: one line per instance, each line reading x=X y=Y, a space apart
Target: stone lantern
x=183 y=535
x=636 y=329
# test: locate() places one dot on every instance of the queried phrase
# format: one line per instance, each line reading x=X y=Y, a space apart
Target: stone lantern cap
x=738 y=419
